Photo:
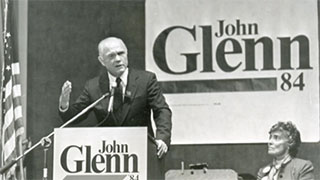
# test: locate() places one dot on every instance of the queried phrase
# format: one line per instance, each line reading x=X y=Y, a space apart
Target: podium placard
x=117 y=153
x=195 y=174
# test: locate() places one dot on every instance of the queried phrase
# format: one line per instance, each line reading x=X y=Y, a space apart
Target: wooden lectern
x=100 y=153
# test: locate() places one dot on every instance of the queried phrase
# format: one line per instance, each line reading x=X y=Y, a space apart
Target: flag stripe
x=8 y=117
x=7 y=104
x=17 y=112
x=11 y=101
x=16 y=101
x=16 y=79
x=9 y=146
x=15 y=68
x=16 y=90
x=20 y=131
x=9 y=132
x=8 y=89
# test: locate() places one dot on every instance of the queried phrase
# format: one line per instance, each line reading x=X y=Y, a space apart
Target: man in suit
x=136 y=93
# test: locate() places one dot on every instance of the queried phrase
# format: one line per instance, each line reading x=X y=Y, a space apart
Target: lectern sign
x=100 y=153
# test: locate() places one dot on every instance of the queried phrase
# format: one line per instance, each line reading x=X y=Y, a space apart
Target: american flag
x=12 y=125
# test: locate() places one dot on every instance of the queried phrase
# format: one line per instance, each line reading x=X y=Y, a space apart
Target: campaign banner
x=117 y=153
x=231 y=69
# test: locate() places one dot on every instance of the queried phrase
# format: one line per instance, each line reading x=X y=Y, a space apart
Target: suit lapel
x=129 y=94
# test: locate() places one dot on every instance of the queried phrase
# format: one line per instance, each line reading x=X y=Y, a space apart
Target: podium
x=196 y=174
x=100 y=153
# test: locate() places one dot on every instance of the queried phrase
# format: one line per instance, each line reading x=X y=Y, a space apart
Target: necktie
x=117 y=96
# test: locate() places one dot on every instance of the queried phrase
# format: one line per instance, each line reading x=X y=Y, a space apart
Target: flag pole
x=2 y=74
x=4 y=5
x=21 y=168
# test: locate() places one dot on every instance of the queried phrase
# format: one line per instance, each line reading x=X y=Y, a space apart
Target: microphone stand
x=46 y=143
x=110 y=105
x=44 y=139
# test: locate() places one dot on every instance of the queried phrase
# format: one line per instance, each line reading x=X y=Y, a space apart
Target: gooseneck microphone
x=111 y=100
x=110 y=105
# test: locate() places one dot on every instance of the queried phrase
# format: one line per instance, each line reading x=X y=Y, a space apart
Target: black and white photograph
x=160 y=90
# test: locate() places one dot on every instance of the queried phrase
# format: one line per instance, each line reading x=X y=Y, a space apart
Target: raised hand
x=65 y=95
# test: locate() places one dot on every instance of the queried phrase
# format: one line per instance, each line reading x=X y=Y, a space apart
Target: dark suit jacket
x=295 y=169
x=143 y=93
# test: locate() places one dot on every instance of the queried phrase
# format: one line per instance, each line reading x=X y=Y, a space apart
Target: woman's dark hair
x=294 y=135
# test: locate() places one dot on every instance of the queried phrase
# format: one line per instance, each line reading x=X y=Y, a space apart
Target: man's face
x=278 y=145
x=114 y=57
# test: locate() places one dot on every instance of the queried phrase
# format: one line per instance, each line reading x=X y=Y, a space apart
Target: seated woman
x=283 y=146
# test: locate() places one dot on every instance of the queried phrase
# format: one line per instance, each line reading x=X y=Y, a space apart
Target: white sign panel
x=100 y=153
x=232 y=69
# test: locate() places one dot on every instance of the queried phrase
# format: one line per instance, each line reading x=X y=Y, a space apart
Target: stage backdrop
x=231 y=69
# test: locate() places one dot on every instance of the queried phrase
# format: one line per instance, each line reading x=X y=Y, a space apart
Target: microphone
x=110 y=106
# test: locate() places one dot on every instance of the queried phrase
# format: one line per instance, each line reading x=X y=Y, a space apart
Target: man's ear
x=101 y=60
